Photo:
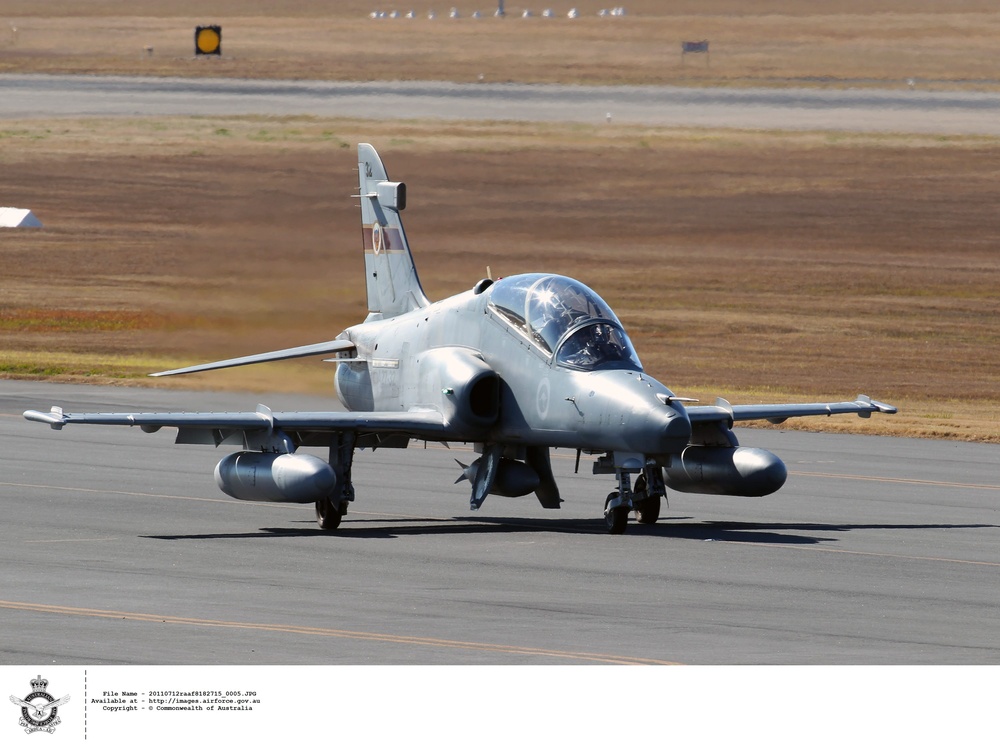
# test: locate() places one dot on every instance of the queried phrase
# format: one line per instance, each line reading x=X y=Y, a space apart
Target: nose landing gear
x=644 y=499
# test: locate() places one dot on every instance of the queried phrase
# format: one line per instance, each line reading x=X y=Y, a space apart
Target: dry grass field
x=758 y=266
x=770 y=42
x=755 y=265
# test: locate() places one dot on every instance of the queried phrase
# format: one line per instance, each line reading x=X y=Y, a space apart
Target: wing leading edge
x=308 y=427
x=296 y=352
x=863 y=406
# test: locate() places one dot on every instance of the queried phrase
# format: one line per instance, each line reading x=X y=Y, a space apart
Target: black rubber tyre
x=616 y=519
x=647 y=511
x=328 y=516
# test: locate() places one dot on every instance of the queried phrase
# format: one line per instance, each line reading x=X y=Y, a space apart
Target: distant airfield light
x=208 y=40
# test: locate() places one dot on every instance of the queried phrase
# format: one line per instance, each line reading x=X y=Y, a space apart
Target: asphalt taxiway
x=849 y=110
x=118 y=548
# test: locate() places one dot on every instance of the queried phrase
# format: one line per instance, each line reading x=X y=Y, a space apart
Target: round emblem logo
x=542 y=399
x=39 y=710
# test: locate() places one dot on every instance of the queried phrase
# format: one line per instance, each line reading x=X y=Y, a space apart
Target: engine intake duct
x=470 y=388
x=730 y=471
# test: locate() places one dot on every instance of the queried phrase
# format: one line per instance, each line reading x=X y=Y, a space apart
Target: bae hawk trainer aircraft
x=514 y=366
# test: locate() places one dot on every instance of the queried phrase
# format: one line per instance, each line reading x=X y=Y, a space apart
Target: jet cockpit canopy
x=566 y=319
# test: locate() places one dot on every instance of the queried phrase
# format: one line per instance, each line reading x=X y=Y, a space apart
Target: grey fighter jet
x=515 y=366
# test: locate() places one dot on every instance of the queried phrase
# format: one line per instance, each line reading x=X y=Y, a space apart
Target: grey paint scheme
x=513 y=377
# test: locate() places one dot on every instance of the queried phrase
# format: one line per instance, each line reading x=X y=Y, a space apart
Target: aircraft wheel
x=616 y=519
x=647 y=511
x=328 y=516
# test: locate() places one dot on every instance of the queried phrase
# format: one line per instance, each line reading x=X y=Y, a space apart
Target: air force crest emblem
x=39 y=710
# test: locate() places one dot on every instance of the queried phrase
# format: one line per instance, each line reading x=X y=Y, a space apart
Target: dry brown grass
x=759 y=266
x=773 y=42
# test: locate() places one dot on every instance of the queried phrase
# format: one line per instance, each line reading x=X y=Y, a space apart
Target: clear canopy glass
x=565 y=318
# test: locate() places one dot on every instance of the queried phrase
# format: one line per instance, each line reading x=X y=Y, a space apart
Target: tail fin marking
x=391 y=277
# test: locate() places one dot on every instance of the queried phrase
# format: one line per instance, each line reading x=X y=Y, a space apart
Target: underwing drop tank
x=731 y=471
x=288 y=478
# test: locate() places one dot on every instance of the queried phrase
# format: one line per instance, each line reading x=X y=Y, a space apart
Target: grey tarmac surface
x=117 y=548
x=857 y=110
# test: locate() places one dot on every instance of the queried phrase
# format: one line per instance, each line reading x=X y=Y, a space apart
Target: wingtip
x=54 y=418
x=877 y=405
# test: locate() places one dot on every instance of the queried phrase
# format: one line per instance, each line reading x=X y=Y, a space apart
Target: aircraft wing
x=297 y=352
x=776 y=413
x=307 y=427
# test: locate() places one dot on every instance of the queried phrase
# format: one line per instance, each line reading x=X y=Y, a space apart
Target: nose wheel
x=646 y=496
x=615 y=517
x=644 y=499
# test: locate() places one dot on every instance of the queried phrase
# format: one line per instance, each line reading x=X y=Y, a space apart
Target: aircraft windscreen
x=549 y=307
x=598 y=344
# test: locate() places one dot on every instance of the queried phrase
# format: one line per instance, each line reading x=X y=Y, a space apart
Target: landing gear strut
x=331 y=510
x=644 y=499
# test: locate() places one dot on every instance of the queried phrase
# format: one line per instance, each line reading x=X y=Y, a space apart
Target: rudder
x=391 y=277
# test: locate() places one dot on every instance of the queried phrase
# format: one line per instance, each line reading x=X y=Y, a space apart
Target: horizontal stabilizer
x=327 y=347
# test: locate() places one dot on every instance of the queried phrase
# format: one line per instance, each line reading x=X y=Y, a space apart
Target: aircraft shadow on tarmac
x=773 y=533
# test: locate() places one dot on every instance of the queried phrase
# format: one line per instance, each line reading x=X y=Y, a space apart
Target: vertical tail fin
x=392 y=281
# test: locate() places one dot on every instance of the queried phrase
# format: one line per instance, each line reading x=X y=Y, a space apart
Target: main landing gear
x=331 y=510
x=329 y=515
x=644 y=499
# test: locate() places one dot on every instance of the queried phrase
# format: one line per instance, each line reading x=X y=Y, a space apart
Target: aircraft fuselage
x=495 y=381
